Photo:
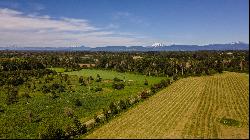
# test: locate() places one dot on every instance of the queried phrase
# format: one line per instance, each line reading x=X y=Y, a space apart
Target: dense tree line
x=148 y=63
x=15 y=71
x=176 y=64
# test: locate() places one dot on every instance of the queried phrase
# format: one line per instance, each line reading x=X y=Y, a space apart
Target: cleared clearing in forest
x=195 y=107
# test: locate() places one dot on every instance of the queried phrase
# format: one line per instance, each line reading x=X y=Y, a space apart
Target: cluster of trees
x=20 y=76
x=16 y=71
x=148 y=63
x=180 y=64
x=118 y=84
x=17 y=64
x=49 y=130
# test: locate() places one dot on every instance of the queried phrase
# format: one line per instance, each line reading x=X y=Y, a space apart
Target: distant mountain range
x=154 y=47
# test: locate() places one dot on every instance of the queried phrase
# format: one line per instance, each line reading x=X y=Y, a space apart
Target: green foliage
x=98 y=78
x=96 y=89
x=117 y=79
x=17 y=122
x=90 y=78
x=12 y=95
x=118 y=86
x=146 y=82
x=81 y=80
x=97 y=119
x=106 y=113
x=80 y=128
x=230 y=122
x=26 y=95
x=123 y=105
x=50 y=131
x=45 y=89
x=54 y=95
x=78 y=102
x=144 y=94
x=68 y=112
x=2 y=109
x=113 y=108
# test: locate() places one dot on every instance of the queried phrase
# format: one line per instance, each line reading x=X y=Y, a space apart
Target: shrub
x=146 y=82
x=106 y=113
x=153 y=89
x=1 y=109
x=48 y=79
x=68 y=112
x=80 y=128
x=51 y=131
x=66 y=77
x=165 y=83
x=212 y=71
x=117 y=79
x=230 y=122
x=70 y=132
x=90 y=78
x=11 y=96
x=81 y=80
x=144 y=94
x=54 y=95
x=61 y=89
x=26 y=95
x=127 y=102
x=78 y=102
x=68 y=82
x=98 y=80
x=98 y=89
x=122 y=105
x=97 y=119
x=175 y=77
x=45 y=89
x=118 y=86
x=113 y=108
x=29 y=116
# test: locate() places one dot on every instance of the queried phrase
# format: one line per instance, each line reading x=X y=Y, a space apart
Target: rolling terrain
x=195 y=107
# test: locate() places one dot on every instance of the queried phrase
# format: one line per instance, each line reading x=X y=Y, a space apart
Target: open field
x=26 y=118
x=196 y=107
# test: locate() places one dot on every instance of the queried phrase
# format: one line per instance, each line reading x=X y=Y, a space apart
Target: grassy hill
x=196 y=107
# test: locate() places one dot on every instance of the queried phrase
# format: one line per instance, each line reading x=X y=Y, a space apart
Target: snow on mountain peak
x=237 y=42
x=157 y=45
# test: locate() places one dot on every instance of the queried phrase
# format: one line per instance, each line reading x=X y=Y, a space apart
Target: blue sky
x=95 y=23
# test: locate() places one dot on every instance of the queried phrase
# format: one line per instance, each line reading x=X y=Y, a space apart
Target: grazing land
x=27 y=117
x=195 y=107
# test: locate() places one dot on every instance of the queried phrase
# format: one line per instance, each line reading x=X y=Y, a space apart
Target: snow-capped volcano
x=157 y=45
x=237 y=42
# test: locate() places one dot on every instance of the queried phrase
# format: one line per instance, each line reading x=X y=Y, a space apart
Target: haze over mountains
x=154 y=47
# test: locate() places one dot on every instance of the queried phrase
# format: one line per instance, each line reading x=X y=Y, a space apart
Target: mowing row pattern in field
x=189 y=108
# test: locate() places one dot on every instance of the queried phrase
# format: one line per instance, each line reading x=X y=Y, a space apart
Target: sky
x=97 y=23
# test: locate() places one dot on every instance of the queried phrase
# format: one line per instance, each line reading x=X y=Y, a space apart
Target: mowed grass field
x=196 y=107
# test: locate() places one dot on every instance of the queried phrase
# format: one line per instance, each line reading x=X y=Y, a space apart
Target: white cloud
x=112 y=26
x=19 y=29
x=119 y=15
